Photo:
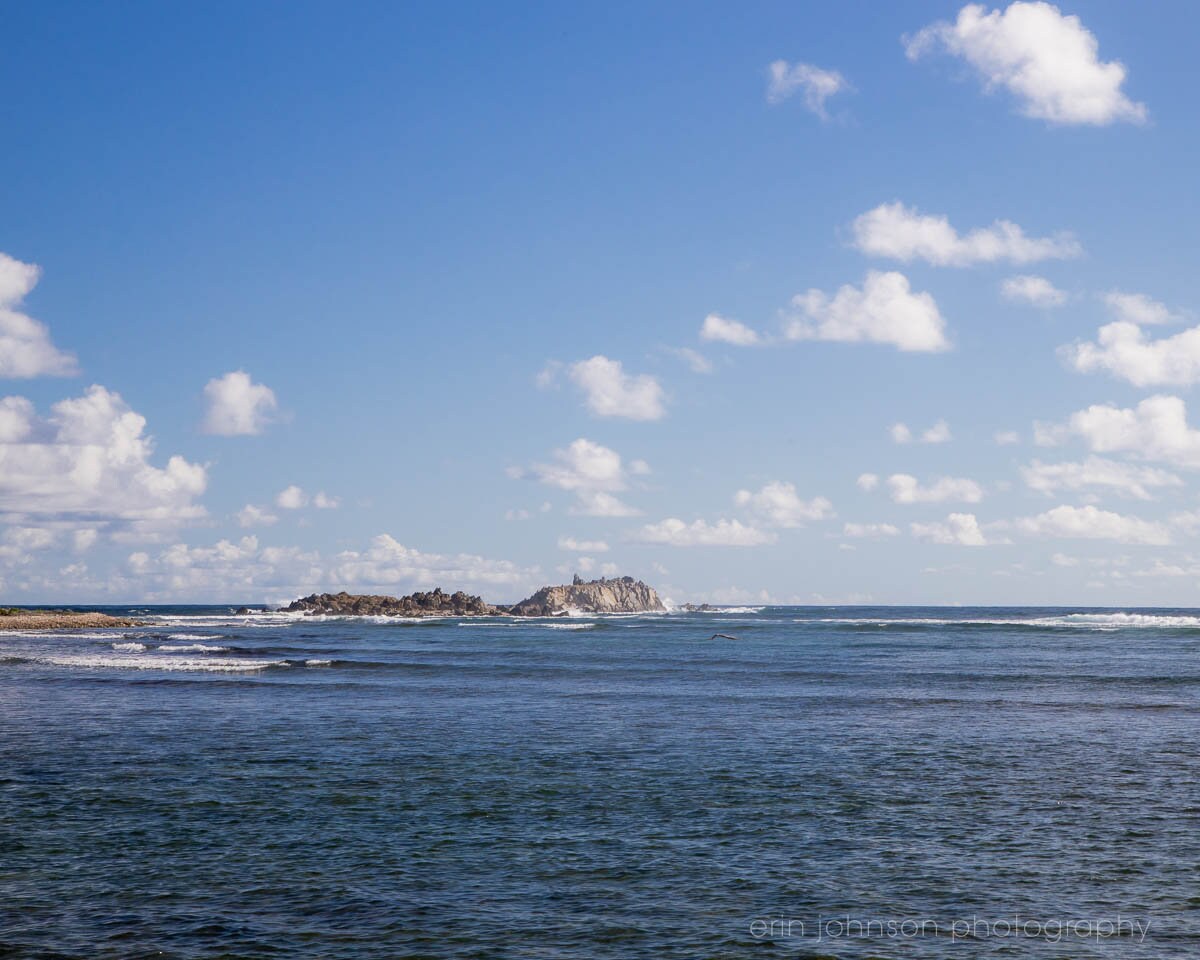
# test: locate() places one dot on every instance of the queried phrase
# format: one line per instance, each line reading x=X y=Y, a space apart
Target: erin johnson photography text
x=846 y=927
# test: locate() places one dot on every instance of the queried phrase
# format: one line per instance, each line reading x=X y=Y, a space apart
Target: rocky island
x=435 y=603
x=619 y=595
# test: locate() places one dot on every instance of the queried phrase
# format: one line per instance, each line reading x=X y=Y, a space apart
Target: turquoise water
x=213 y=786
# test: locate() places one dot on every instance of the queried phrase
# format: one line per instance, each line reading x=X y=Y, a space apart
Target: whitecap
x=152 y=662
x=192 y=648
x=129 y=647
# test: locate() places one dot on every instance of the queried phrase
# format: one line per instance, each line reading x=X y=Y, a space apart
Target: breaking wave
x=192 y=648
x=153 y=662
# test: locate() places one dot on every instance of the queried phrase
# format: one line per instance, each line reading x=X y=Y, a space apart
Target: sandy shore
x=58 y=619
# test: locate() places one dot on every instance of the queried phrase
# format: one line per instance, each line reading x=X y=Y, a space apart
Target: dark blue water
x=270 y=787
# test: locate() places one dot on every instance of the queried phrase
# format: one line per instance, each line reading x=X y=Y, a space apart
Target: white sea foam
x=318 y=663
x=1087 y=621
x=243 y=621
x=152 y=662
x=191 y=648
x=1132 y=620
x=73 y=635
x=191 y=636
x=129 y=647
x=568 y=626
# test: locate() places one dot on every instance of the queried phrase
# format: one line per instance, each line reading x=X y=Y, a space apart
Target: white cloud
x=237 y=406
x=1156 y=429
x=1160 y=569
x=869 y=531
x=1034 y=290
x=291 y=498
x=323 y=501
x=959 y=529
x=228 y=569
x=594 y=474
x=387 y=562
x=724 y=330
x=696 y=361
x=611 y=392
x=938 y=433
x=817 y=85
x=30 y=538
x=1139 y=308
x=89 y=461
x=252 y=516
x=600 y=503
x=25 y=346
x=1124 y=478
x=777 y=504
x=867 y=481
x=581 y=565
x=885 y=311
x=1091 y=523
x=897 y=232
x=1006 y=438
x=906 y=489
x=547 y=377
x=1124 y=351
x=84 y=539
x=582 y=546
x=724 y=533
x=1047 y=60
x=1062 y=560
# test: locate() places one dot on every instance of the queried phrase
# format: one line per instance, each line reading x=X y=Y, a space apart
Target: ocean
x=844 y=782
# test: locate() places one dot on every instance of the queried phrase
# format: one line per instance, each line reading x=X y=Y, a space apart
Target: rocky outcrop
x=620 y=595
x=432 y=604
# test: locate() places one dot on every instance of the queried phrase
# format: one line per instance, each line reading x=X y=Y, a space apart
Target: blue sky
x=447 y=270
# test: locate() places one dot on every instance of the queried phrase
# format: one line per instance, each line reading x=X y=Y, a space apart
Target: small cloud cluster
x=897 y=232
x=25 y=346
x=1034 y=290
x=237 y=406
x=906 y=489
x=1047 y=60
x=778 y=505
x=958 y=529
x=816 y=85
x=938 y=433
x=1156 y=429
x=884 y=310
x=610 y=392
x=673 y=532
x=295 y=498
x=595 y=474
